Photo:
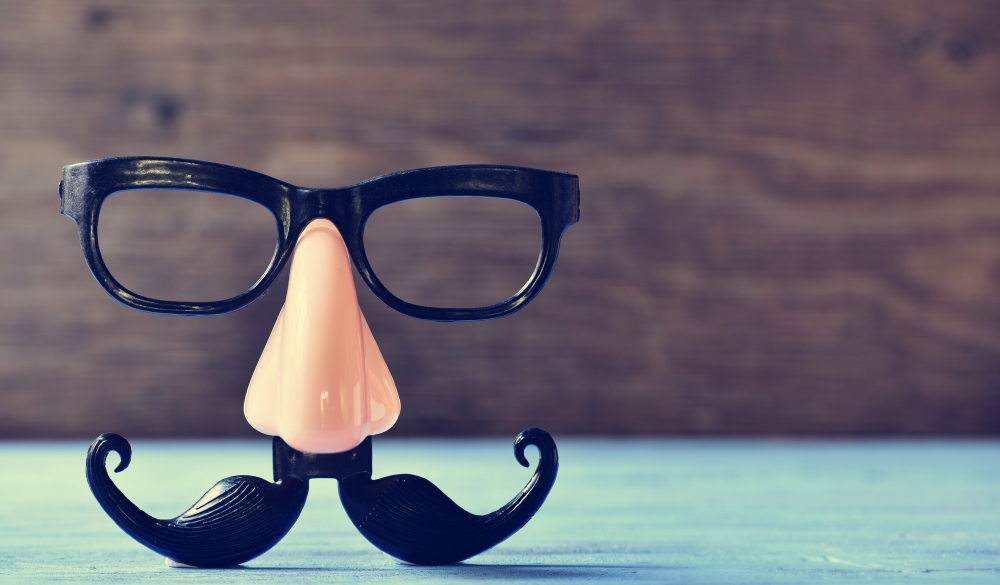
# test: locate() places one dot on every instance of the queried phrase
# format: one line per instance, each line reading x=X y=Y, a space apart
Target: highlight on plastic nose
x=321 y=383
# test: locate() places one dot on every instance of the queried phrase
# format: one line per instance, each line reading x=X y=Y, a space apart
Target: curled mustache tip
x=540 y=439
x=108 y=443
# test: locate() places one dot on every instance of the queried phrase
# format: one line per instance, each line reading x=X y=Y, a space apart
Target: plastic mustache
x=242 y=517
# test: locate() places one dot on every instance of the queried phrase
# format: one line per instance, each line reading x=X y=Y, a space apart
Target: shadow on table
x=499 y=572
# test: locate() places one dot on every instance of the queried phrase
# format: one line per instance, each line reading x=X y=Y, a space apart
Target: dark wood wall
x=790 y=210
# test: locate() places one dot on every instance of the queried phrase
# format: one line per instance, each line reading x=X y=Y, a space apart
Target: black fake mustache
x=242 y=517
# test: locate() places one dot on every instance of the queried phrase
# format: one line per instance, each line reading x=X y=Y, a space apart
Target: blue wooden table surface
x=646 y=511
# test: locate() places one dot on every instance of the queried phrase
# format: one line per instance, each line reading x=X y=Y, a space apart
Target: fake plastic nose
x=321 y=383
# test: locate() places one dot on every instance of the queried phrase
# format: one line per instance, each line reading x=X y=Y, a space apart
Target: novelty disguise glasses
x=555 y=197
x=242 y=517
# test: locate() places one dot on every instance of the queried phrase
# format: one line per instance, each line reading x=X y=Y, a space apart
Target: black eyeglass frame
x=554 y=196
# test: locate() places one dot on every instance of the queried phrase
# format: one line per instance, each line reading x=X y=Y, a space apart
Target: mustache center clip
x=242 y=517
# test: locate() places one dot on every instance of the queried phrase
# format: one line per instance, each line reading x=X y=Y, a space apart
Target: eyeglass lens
x=196 y=246
x=192 y=246
x=455 y=252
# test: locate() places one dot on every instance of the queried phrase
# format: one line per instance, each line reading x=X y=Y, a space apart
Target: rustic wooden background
x=790 y=210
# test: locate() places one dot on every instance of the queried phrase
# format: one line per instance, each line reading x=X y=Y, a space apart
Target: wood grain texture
x=622 y=511
x=790 y=211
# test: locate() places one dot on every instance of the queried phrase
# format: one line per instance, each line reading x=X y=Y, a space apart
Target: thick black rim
x=554 y=197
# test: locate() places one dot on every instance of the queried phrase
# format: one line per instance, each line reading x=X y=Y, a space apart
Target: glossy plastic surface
x=238 y=519
x=554 y=196
x=404 y=515
x=409 y=518
x=321 y=383
x=241 y=517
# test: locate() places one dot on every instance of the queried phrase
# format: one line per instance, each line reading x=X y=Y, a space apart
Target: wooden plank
x=621 y=511
x=790 y=220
